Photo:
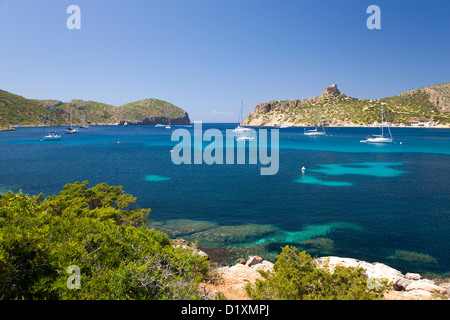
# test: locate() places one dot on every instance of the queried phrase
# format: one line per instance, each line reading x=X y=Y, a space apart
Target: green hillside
x=17 y=110
x=334 y=108
x=139 y=110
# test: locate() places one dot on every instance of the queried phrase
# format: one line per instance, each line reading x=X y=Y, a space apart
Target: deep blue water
x=380 y=203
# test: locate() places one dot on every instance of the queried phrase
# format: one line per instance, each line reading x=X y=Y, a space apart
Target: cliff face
x=439 y=95
x=430 y=103
x=15 y=110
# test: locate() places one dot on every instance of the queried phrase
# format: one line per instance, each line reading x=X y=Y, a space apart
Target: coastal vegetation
x=99 y=230
x=17 y=110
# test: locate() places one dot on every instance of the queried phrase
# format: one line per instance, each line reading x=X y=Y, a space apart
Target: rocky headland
x=333 y=108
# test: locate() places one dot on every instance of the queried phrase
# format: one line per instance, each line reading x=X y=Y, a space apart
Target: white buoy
x=303 y=169
x=400 y=142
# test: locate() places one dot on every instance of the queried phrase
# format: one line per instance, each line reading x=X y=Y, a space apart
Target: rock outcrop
x=403 y=287
x=408 y=286
x=6 y=128
x=232 y=280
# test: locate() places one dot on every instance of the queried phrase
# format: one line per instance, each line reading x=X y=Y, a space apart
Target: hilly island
x=17 y=110
x=427 y=106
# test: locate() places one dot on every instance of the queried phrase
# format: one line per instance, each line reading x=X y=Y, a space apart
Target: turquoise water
x=155 y=178
x=380 y=203
x=308 y=179
x=376 y=169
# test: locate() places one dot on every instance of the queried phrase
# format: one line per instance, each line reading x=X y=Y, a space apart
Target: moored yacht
x=316 y=131
x=380 y=138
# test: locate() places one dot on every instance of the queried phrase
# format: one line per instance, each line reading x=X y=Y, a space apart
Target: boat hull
x=51 y=138
x=71 y=131
x=378 y=140
x=318 y=133
x=244 y=139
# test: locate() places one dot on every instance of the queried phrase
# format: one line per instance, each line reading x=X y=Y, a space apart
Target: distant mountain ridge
x=431 y=103
x=17 y=110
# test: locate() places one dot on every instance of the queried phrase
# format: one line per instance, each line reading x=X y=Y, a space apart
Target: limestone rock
x=446 y=286
x=408 y=295
x=401 y=284
x=426 y=285
x=263 y=266
x=413 y=276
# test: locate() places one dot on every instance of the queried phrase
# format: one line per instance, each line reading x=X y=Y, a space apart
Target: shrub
x=296 y=276
x=94 y=229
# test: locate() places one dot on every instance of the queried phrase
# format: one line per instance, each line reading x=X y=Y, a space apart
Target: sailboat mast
x=316 y=118
x=67 y=112
x=382 y=135
x=241 y=115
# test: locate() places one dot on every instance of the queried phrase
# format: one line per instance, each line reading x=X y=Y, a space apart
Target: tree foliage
x=296 y=276
x=96 y=230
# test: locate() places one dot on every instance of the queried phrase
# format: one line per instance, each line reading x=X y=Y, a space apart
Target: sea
x=378 y=203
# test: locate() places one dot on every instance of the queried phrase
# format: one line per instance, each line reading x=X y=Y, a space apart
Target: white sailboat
x=70 y=129
x=244 y=138
x=243 y=131
x=380 y=138
x=84 y=125
x=51 y=135
x=240 y=129
x=169 y=126
x=316 y=131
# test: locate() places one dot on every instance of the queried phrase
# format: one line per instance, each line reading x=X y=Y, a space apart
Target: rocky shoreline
x=231 y=280
x=409 y=286
x=7 y=128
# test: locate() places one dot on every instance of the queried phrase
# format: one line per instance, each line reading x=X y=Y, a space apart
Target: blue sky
x=205 y=56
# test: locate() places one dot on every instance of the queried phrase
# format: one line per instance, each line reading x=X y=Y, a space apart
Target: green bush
x=94 y=229
x=296 y=276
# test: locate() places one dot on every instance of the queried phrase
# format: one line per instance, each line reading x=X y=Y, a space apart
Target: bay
x=379 y=203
